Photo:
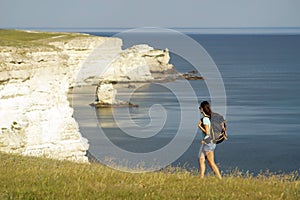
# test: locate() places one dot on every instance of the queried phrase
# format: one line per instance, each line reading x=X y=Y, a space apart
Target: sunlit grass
x=20 y=38
x=39 y=178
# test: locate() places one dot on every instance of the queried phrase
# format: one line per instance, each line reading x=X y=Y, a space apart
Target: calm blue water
x=261 y=74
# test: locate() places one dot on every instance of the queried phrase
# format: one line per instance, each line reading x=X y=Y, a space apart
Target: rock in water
x=106 y=94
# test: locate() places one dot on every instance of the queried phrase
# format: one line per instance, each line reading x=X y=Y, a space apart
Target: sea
x=261 y=78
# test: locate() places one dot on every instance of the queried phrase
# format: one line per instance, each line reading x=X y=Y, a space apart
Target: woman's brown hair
x=206 y=108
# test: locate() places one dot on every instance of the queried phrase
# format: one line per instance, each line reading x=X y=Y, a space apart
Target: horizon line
x=191 y=27
x=191 y=30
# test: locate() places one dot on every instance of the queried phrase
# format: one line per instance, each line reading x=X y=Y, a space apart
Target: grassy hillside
x=38 y=178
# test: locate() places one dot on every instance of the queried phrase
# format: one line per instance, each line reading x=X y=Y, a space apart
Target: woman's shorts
x=205 y=148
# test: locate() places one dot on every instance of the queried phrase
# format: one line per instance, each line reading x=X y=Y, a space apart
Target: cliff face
x=35 y=77
x=36 y=118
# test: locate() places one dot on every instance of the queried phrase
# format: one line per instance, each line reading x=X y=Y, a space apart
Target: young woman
x=207 y=147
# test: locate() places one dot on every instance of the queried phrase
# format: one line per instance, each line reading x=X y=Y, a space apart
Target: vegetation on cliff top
x=39 y=178
x=27 y=39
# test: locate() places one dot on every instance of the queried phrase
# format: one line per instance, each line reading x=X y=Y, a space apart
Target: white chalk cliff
x=36 y=117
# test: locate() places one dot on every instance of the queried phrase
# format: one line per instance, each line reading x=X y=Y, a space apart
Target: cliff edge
x=36 y=71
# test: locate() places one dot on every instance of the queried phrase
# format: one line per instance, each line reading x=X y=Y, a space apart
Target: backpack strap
x=212 y=133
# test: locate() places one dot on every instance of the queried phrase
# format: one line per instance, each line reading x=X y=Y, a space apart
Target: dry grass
x=39 y=178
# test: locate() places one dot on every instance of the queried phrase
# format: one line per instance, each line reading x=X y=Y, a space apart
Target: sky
x=150 y=13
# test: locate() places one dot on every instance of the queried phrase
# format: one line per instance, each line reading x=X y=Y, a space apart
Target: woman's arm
x=204 y=128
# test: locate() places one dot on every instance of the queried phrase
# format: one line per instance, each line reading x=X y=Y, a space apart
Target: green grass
x=28 y=39
x=39 y=178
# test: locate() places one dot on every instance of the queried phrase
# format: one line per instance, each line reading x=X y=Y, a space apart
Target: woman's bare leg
x=212 y=164
x=202 y=166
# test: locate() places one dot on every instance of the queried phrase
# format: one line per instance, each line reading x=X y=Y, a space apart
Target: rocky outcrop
x=133 y=65
x=136 y=64
x=36 y=118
